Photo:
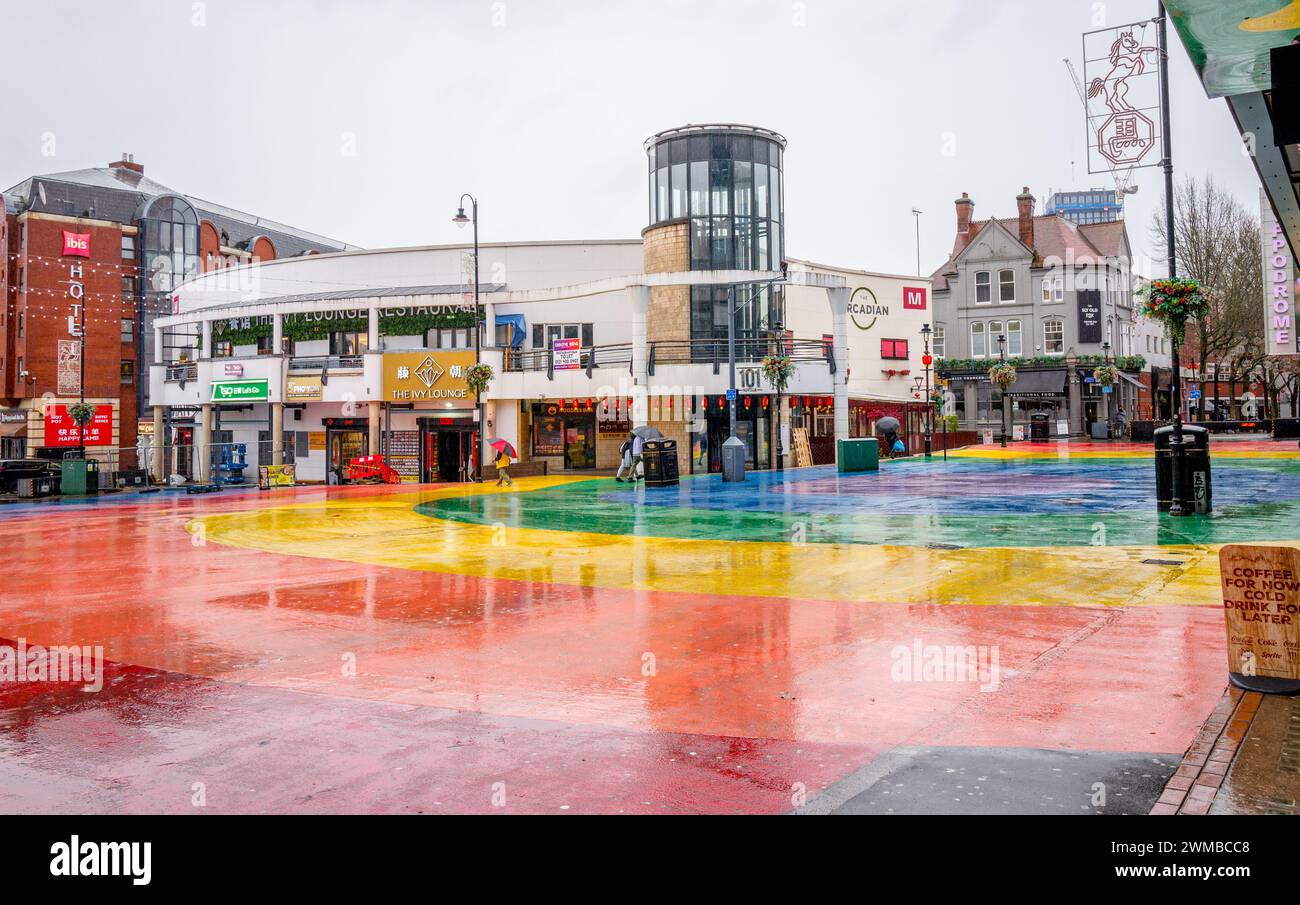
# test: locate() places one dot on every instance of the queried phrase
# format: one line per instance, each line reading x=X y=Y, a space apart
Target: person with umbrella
x=505 y=455
x=888 y=427
x=638 y=437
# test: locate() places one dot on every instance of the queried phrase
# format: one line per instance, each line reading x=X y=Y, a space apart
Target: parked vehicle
x=14 y=470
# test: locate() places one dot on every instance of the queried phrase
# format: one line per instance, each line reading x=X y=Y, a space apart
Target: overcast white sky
x=540 y=107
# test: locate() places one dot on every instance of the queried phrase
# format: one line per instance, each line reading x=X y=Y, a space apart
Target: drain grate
x=943 y=546
x=1163 y=562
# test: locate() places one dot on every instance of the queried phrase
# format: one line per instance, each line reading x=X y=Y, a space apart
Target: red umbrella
x=503 y=446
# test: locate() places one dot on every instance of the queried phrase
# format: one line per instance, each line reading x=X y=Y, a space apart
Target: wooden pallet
x=802 y=448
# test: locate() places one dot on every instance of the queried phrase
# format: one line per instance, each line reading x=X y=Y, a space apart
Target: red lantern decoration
x=927 y=360
x=722 y=401
x=748 y=401
x=765 y=402
x=705 y=399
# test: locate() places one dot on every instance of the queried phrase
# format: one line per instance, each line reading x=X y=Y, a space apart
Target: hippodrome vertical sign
x=1121 y=69
x=1279 y=284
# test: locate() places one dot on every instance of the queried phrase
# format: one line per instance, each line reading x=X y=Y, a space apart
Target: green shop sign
x=241 y=390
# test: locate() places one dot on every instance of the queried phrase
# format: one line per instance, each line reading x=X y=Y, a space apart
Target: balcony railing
x=676 y=352
x=328 y=363
x=178 y=372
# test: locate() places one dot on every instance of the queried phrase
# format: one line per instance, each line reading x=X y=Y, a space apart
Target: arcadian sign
x=252 y=390
x=433 y=376
x=865 y=308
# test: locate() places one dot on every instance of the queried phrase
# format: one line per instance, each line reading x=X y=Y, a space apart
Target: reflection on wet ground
x=394 y=649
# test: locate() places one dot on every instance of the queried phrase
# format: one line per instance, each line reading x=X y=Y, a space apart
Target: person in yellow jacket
x=502 y=463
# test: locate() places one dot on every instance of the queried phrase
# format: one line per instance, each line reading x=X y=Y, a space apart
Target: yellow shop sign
x=434 y=376
x=303 y=389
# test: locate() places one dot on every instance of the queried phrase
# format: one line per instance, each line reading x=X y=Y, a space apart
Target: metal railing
x=673 y=352
x=178 y=372
x=328 y=363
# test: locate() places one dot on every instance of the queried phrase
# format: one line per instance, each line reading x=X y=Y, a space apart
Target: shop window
x=264 y=344
x=1053 y=337
x=978 y=349
x=893 y=349
x=1006 y=286
x=348 y=344
x=983 y=288
x=223 y=348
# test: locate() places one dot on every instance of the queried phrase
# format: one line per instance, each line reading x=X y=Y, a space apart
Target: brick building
x=101 y=250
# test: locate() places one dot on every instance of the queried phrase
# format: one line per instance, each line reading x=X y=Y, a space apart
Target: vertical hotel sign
x=1279 y=284
x=75 y=245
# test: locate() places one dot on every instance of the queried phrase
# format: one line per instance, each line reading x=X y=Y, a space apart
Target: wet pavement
x=568 y=646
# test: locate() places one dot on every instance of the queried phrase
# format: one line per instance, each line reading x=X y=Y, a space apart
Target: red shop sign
x=61 y=431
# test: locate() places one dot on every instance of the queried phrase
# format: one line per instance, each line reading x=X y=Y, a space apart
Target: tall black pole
x=731 y=360
x=780 y=352
x=481 y=427
x=1002 y=356
x=929 y=403
x=1176 y=445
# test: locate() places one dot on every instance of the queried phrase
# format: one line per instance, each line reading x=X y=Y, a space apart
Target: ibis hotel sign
x=434 y=376
x=1279 y=284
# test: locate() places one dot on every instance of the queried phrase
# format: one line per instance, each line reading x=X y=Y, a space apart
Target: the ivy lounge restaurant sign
x=241 y=390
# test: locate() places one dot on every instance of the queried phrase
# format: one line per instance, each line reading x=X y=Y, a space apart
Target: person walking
x=1121 y=422
x=624 y=458
x=502 y=463
x=638 y=446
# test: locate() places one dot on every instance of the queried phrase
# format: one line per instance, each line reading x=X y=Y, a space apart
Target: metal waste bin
x=1039 y=426
x=659 y=461
x=733 y=460
x=80 y=476
x=1194 y=484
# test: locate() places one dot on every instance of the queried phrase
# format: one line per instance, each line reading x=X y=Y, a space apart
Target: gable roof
x=1054 y=237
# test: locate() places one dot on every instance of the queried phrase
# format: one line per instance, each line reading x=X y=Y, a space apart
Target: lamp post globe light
x=927 y=360
x=1002 y=356
x=480 y=429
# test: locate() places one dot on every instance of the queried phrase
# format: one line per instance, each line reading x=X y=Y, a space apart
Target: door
x=344 y=446
x=183 y=451
x=579 y=443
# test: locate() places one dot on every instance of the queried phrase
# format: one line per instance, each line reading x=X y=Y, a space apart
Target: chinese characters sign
x=69 y=374
x=60 y=430
x=436 y=375
x=1121 y=68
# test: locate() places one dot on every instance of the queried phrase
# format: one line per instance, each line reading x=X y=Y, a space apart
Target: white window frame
x=987 y=287
x=939 y=343
x=1015 y=340
x=1003 y=283
x=1060 y=330
x=983 y=334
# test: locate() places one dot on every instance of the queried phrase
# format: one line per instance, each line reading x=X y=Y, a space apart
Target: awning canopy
x=13 y=429
x=1038 y=384
x=1131 y=379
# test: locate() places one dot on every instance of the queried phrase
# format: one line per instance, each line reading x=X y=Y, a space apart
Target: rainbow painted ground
x=700 y=648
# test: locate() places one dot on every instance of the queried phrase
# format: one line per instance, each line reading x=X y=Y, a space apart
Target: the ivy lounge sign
x=241 y=390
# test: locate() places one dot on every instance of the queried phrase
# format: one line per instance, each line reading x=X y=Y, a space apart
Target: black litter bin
x=1038 y=426
x=659 y=459
x=1194 y=480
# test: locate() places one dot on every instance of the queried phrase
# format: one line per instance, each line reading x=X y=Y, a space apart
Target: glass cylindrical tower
x=715 y=204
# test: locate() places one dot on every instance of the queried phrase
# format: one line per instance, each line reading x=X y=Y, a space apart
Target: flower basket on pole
x=1002 y=376
x=477 y=377
x=1175 y=302
x=778 y=369
x=81 y=415
x=1106 y=375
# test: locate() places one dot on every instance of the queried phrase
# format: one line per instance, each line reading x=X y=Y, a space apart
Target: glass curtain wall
x=169 y=255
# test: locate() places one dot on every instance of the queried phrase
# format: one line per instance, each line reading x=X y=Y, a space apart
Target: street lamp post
x=927 y=360
x=1002 y=356
x=81 y=336
x=917 y=215
x=461 y=220
x=1106 y=397
x=780 y=351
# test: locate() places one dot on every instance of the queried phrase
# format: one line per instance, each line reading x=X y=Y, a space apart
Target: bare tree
x=1217 y=244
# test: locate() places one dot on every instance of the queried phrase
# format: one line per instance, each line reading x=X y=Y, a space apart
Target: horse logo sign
x=1123 y=98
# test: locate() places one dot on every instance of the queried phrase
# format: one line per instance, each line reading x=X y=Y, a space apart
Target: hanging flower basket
x=778 y=369
x=478 y=376
x=81 y=414
x=1175 y=302
x=1106 y=375
x=1002 y=375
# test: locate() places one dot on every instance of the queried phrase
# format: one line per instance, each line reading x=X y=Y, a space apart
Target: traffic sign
x=1194 y=394
x=731 y=395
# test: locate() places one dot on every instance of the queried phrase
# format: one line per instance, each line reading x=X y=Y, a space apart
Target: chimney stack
x=127 y=163
x=1025 y=207
x=965 y=208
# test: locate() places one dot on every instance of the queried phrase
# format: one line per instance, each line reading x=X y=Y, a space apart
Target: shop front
x=345 y=439
x=566 y=430
x=443 y=447
x=712 y=427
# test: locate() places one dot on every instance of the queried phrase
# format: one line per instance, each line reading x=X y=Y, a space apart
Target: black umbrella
x=887 y=424
x=646 y=432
